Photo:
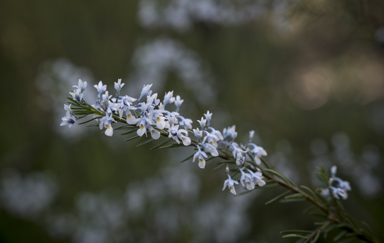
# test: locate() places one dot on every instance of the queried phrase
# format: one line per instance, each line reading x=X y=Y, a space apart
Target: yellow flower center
x=141 y=127
x=158 y=119
x=129 y=116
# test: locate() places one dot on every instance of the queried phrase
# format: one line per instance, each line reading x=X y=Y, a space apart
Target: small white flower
x=178 y=102
x=202 y=123
x=131 y=119
x=200 y=155
x=168 y=98
x=257 y=177
x=251 y=135
x=154 y=133
x=210 y=149
x=106 y=122
x=185 y=122
x=230 y=132
x=198 y=133
x=118 y=87
x=146 y=91
x=100 y=88
x=208 y=117
x=246 y=180
x=68 y=120
x=257 y=152
x=77 y=95
x=230 y=184
x=81 y=85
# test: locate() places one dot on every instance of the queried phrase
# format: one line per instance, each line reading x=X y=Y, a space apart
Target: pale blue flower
x=106 y=122
x=168 y=98
x=217 y=133
x=81 y=85
x=146 y=91
x=178 y=102
x=251 y=135
x=211 y=139
x=230 y=132
x=118 y=87
x=208 y=117
x=246 y=180
x=210 y=149
x=77 y=95
x=200 y=155
x=202 y=123
x=257 y=152
x=175 y=133
x=230 y=184
x=185 y=122
x=68 y=120
x=198 y=134
x=154 y=133
x=143 y=123
x=257 y=177
x=100 y=88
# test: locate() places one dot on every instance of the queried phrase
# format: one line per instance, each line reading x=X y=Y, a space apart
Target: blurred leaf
x=189 y=157
x=161 y=144
x=279 y=175
x=132 y=138
x=316 y=237
x=339 y=236
x=145 y=142
x=295 y=196
x=278 y=197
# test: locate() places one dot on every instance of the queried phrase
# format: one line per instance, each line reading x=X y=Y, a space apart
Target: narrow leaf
x=93 y=125
x=161 y=144
x=298 y=232
x=310 y=191
x=339 y=236
x=316 y=237
x=279 y=175
x=278 y=197
x=89 y=120
x=126 y=133
x=243 y=193
x=189 y=157
x=129 y=139
x=218 y=167
x=295 y=196
x=227 y=162
x=294 y=235
x=145 y=142
x=292 y=200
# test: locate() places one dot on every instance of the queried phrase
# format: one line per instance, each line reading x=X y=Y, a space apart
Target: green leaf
x=129 y=139
x=89 y=120
x=339 y=236
x=295 y=235
x=279 y=175
x=126 y=133
x=316 y=236
x=145 y=142
x=310 y=191
x=328 y=229
x=174 y=145
x=310 y=208
x=243 y=193
x=189 y=157
x=265 y=163
x=219 y=166
x=227 y=162
x=292 y=200
x=161 y=144
x=126 y=127
x=298 y=232
x=295 y=196
x=278 y=197
x=93 y=125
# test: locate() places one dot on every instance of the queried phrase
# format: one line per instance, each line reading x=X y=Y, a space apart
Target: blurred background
x=307 y=76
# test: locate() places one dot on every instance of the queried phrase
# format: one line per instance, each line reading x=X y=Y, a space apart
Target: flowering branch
x=243 y=162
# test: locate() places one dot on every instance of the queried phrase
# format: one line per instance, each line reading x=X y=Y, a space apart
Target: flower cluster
x=336 y=186
x=150 y=115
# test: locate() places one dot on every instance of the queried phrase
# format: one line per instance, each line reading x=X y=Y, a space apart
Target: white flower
x=106 y=122
x=202 y=123
x=146 y=91
x=246 y=180
x=208 y=117
x=178 y=102
x=118 y=87
x=230 y=184
x=251 y=135
x=257 y=152
x=200 y=155
x=176 y=134
x=154 y=133
x=100 y=88
x=77 y=95
x=168 y=98
x=210 y=149
x=81 y=86
x=198 y=133
x=185 y=122
x=257 y=177
x=211 y=139
x=131 y=119
x=230 y=132
x=68 y=120
x=143 y=124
